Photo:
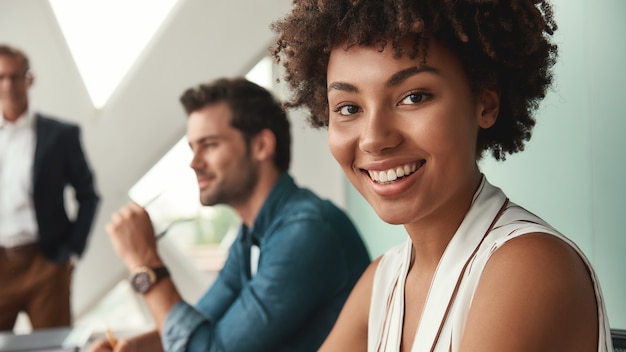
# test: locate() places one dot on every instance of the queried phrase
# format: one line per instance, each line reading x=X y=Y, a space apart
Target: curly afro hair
x=503 y=44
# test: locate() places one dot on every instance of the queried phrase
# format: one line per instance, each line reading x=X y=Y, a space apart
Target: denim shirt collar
x=271 y=209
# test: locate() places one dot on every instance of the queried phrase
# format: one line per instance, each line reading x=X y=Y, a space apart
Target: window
x=86 y=25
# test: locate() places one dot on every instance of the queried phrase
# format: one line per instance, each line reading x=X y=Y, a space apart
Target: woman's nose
x=379 y=132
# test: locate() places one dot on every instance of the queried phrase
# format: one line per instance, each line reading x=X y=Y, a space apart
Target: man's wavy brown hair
x=503 y=44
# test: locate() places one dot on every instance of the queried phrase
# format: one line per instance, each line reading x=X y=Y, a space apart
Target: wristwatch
x=143 y=278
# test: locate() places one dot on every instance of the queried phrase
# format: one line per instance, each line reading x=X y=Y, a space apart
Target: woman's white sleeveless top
x=490 y=222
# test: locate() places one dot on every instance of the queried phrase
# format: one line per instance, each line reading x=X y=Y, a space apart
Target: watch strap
x=160 y=272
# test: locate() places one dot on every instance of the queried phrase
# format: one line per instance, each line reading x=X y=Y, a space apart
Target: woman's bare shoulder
x=535 y=293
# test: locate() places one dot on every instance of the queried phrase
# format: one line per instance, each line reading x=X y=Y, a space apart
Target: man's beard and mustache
x=234 y=188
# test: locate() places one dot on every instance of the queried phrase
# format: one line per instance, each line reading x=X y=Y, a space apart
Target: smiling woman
x=425 y=115
x=413 y=93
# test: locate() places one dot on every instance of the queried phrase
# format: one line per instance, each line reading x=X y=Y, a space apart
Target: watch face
x=141 y=282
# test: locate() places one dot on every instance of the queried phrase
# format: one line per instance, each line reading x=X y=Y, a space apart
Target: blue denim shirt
x=311 y=255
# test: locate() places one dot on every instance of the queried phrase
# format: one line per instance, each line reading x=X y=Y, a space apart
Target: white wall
x=572 y=171
x=200 y=41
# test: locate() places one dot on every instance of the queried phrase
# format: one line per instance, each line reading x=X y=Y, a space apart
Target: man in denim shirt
x=296 y=257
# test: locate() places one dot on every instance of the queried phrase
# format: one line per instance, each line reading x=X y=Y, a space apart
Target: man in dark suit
x=39 y=157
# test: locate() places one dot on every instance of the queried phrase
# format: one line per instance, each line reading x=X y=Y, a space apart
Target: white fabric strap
x=255 y=253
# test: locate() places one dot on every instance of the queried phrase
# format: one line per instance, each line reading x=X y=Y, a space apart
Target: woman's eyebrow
x=347 y=87
x=403 y=75
x=395 y=79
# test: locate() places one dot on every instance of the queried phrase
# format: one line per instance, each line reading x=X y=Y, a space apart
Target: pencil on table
x=112 y=339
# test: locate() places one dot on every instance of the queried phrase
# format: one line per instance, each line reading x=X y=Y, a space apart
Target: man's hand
x=105 y=346
x=141 y=343
x=132 y=235
x=148 y=341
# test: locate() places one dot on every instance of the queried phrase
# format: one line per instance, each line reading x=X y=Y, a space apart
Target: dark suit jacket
x=59 y=162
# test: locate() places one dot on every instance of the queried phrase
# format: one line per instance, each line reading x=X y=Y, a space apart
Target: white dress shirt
x=18 y=224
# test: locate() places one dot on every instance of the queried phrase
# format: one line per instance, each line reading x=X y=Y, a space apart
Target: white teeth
x=382 y=177
x=400 y=171
x=393 y=174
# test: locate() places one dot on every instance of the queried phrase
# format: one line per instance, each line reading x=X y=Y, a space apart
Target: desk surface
x=53 y=339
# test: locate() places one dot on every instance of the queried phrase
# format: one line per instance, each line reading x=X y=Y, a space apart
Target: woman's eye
x=346 y=110
x=414 y=98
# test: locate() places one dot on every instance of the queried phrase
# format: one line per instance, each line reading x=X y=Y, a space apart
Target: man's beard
x=234 y=190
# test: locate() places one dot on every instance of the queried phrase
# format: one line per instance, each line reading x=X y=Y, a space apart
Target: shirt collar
x=26 y=119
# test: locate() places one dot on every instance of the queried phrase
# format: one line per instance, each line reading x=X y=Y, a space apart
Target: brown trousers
x=34 y=285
